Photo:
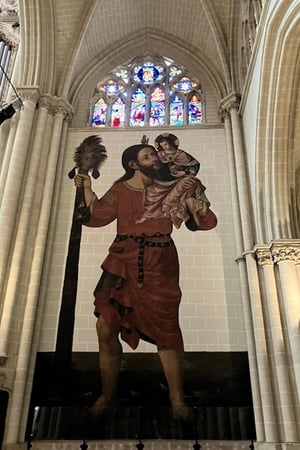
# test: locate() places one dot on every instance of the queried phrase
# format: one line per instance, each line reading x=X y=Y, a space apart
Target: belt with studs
x=143 y=240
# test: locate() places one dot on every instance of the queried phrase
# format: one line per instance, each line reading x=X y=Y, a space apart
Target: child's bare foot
x=191 y=205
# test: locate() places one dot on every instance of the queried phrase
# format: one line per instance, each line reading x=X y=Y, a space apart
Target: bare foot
x=190 y=203
x=101 y=405
x=182 y=412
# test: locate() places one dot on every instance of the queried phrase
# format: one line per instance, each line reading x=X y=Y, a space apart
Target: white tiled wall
x=211 y=314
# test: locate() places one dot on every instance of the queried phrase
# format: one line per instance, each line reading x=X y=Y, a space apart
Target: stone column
x=231 y=105
x=264 y=400
x=263 y=377
x=24 y=224
x=286 y=256
x=257 y=404
x=14 y=185
x=277 y=356
x=57 y=112
x=256 y=340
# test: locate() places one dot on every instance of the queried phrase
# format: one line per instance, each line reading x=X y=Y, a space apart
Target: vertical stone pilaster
x=13 y=192
x=231 y=105
x=282 y=392
x=286 y=256
x=22 y=234
x=264 y=385
x=229 y=111
x=257 y=404
x=53 y=114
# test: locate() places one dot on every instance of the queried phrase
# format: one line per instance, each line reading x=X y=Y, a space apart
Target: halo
x=167 y=136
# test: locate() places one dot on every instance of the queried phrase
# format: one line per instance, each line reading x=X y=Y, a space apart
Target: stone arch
x=36 y=60
x=276 y=155
x=142 y=44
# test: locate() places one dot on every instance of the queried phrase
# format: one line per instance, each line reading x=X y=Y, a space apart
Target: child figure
x=168 y=197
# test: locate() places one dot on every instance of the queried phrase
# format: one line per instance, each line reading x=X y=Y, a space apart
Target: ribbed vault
x=61 y=55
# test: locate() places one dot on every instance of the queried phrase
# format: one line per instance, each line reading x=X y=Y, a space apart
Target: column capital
x=56 y=105
x=264 y=256
x=277 y=251
x=231 y=101
x=31 y=93
x=286 y=251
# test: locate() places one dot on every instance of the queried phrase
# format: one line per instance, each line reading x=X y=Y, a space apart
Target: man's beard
x=156 y=173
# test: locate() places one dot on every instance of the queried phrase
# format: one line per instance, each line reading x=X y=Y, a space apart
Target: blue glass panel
x=99 y=114
x=148 y=73
x=118 y=113
x=195 y=111
x=184 y=85
x=157 y=107
x=138 y=108
x=176 y=111
x=111 y=87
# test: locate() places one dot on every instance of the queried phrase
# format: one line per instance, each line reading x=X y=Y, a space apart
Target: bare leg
x=110 y=351
x=172 y=363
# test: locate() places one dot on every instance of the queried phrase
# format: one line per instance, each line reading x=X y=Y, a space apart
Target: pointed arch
x=141 y=43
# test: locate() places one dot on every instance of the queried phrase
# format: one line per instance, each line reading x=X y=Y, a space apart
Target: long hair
x=131 y=154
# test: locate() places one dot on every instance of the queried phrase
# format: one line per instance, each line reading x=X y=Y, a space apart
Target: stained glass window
x=118 y=113
x=195 y=110
x=148 y=73
x=123 y=74
x=147 y=92
x=157 y=107
x=138 y=108
x=176 y=111
x=174 y=72
x=184 y=85
x=99 y=115
x=111 y=87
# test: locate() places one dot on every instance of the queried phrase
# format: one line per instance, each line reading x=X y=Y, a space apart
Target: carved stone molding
x=2 y=380
x=290 y=253
x=30 y=93
x=264 y=257
x=10 y=34
x=9 y=8
x=9 y=22
x=56 y=105
x=278 y=251
x=232 y=101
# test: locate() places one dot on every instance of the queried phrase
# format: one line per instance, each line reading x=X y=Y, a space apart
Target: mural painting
x=137 y=297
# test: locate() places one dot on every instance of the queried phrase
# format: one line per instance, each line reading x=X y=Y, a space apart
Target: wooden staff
x=88 y=157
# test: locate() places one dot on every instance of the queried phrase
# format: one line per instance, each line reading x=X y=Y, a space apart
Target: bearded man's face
x=148 y=163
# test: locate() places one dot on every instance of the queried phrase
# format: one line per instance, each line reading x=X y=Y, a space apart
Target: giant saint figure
x=138 y=294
